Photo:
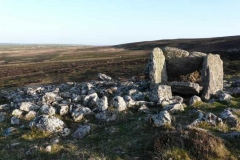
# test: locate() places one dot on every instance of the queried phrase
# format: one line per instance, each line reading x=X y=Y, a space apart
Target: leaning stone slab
x=157 y=67
x=185 y=88
x=212 y=75
x=159 y=93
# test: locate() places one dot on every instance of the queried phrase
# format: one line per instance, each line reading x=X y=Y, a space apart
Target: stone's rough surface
x=119 y=103
x=102 y=103
x=65 y=132
x=28 y=106
x=143 y=109
x=47 y=123
x=194 y=100
x=90 y=100
x=106 y=116
x=9 y=131
x=228 y=116
x=222 y=96
x=49 y=110
x=81 y=132
x=78 y=113
x=157 y=67
x=15 y=120
x=209 y=118
x=30 y=115
x=173 y=108
x=181 y=62
x=161 y=119
x=2 y=117
x=63 y=109
x=104 y=77
x=50 y=97
x=17 y=113
x=159 y=93
x=185 y=88
x=212 y=75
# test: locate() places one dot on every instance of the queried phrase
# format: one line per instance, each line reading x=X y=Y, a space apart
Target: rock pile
x=173 y=62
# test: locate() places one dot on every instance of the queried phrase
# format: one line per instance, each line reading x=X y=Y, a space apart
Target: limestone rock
x=65 y=132
x=17 y=113
x=104 y=77
x=157 y=67
x=30 y=115
x=212 y=75
x=28 y=106
x=222 y=96
x=194 y=99
x=119 y=103
x=49 y=110
x=185 y=88
x=50 y=97
x=15 y=121
x=106 y=116
x=102 y=103
x=143 y=109
x=32 y=150
x=81 y=132
x=63 y=109
x=181 y=62
x=4 y=107
x=9 y=131
x=173 y=108
x=161 y=119
x=236 y=83
x=47 y=123
x=90 y=100
x=228 y=116
x=159 y=93
x=78 y=113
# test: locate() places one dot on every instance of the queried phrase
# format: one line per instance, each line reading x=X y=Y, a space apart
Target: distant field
x=29 y=64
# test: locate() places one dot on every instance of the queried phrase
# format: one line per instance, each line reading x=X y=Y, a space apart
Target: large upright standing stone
x=212 y=75
x=157 y=67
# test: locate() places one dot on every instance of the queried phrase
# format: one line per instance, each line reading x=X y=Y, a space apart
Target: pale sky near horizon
x=109 y=22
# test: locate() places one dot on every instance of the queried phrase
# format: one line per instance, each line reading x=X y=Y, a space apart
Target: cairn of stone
x=170 y=66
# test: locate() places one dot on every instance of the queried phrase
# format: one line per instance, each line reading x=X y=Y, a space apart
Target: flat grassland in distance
x=43 y=64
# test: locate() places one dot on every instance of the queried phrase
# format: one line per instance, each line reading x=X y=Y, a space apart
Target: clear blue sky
x=107 y=22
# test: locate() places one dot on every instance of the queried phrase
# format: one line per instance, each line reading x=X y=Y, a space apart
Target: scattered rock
x=106 y=116
x=81 y=132
x=48 y=110
x=222 y=96
x=194 y=100
x=30 y=115
x=157 y=67
x=4 y=107
x=161 y=119
x=65 y=132
x=104 y=77
x=173 y=108
x=144 y=109
x=236 y=83
x=228 y=116
x=119 y=103
x=63 y=109
x=28 y=106
x=32 y=150
x=15 y=121
x=17 y=113
x=48 y=149
x=50 y=97
x=102 y=103
x=78 y=113
x=159 y=93
x=47 y=123
x=212 y=75
x=185 y=88
x=9 y=131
